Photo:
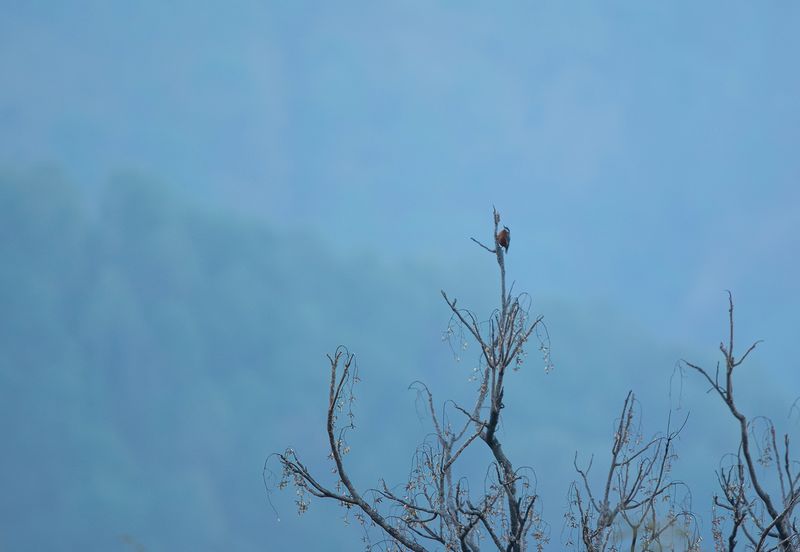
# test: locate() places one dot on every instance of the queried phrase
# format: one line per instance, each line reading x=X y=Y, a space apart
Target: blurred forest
x=141 y=347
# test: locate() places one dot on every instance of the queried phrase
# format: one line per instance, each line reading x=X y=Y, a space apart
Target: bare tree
x=759 y=483
x=639 y=507
x=437 y=507
x=634 y=504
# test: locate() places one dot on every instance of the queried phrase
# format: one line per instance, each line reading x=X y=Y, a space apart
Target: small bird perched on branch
x=503 y=238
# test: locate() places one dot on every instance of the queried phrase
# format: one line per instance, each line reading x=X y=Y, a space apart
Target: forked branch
x=435 y=505
x=763 y=518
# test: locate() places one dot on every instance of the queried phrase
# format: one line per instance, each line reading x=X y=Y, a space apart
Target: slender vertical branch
x=776 y=525
x=637 y=485
x=435 y=505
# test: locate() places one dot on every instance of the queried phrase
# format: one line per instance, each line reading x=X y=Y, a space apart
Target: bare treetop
x=634 y=504
x=438 y=507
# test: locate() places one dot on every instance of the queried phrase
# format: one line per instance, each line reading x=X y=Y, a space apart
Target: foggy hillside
x=198 y=202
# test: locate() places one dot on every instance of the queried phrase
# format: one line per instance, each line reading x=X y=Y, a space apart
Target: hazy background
x=198 y=201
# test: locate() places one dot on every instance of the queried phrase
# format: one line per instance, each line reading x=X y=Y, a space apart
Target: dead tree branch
x=764 y=517
x=638 y=495
x=436 y=506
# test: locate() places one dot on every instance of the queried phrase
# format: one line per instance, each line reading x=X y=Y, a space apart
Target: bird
x=503 y=238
